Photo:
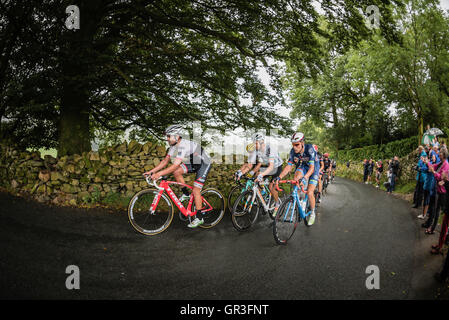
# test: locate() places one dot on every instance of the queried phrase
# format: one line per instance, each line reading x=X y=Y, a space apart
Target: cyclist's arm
x=176 y=164
x=161 y=165
x=285 y=171
x=246 y=167
x=269 y=168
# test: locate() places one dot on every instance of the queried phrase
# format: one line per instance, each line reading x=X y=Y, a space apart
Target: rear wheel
x=233 y=195
x=244 y=212
x=147 y=222
x=214 y=203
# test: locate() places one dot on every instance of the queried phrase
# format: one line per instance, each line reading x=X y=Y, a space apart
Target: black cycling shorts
x=201 y=170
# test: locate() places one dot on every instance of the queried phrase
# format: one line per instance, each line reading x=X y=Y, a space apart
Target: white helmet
x=258 y=137
x=297 y=137
x=174 y=130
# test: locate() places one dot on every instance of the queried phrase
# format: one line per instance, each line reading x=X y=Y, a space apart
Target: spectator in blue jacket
x=429 y=187
x=418 y=195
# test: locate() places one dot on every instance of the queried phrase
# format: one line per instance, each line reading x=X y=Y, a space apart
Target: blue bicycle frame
x=299 y=203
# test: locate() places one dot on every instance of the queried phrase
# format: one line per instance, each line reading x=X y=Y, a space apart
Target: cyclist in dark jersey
x=327 y=165
x=320 y=181
x=307 y=168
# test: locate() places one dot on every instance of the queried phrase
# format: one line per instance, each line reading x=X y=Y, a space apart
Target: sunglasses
x=296 y=144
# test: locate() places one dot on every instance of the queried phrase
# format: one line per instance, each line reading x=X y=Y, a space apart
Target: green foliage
x=398 y=148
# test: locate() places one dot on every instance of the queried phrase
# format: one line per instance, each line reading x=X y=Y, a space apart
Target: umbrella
x=427 y=139
x=433 y=132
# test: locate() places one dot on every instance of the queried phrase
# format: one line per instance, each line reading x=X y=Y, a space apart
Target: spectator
x=365 y=170
x=420 y=179
x=436 y=248
x=429 y=188
x=379 y=170
x=394 y=167
x=370 y=169
x=437 y=169
x=348 y=164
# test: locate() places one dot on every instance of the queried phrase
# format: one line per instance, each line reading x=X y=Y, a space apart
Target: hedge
x=398 y=148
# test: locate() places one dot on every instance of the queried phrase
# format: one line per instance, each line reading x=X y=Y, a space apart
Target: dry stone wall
x=92 y=175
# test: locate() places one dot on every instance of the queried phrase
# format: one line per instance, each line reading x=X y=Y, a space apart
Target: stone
x=49 y=159
x=36 y=163
x=55 y=175
x=70 y=168
x=121 y=148
x=14 y=184
x=94 y=156
x=67 y=188
x=134 y=147
x=44 y=176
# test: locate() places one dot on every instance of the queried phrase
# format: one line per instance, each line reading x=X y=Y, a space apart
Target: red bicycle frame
x=164 y=187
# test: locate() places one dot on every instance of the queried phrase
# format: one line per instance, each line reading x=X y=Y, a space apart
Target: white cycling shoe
x=311 y=219
x=195 y=223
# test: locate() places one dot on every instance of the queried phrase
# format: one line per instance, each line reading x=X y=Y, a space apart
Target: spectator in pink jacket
x=438 y=169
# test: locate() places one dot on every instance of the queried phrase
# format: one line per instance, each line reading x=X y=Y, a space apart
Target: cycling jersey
x=327 y=163
x=194 y=160
x=304 y=160
x=266 y=156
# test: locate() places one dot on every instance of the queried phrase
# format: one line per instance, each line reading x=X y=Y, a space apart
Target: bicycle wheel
x=140 y=217
x=285 y=221
x=244 y=215
x=232 y=196
x=212 y=198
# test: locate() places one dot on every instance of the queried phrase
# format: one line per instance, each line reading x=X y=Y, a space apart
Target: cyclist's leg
x=313 y=181
x=201 y=175
x=274 y=174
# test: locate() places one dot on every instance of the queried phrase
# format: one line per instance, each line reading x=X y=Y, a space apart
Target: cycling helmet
x=174 y=130
x=297 y=137
x=326 y=155
x=250 y=147
x=258 y=137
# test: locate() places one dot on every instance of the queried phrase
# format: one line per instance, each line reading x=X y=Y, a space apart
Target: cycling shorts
x=201 y=170
x=274 y=173
x=313 y=179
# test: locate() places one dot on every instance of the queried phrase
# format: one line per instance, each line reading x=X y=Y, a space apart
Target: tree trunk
x=77 y=59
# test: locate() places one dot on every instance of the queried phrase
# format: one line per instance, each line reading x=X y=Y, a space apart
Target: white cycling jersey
x=265 y=156
x=188 y=152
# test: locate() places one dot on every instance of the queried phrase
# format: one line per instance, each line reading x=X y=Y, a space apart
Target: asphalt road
x=357 y=226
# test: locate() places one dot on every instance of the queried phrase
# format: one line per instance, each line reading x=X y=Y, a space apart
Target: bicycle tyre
x=234 y=193
x=244 y=220
x=219 y=205
x=286 y=219
x=137 y=210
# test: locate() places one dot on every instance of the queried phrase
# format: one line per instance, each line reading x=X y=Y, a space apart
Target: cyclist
x=187 y=157
x=327 y=165
x=268 y=157
x=305 y=160
x=334 y=168
x=320 y=180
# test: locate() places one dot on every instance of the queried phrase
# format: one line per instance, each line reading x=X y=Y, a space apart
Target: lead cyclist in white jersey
x=188 y=157
x=265 y=155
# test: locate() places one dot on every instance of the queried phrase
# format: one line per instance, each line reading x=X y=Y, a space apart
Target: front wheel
x=244 y=211
x=147 y=222
x=285 y=222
